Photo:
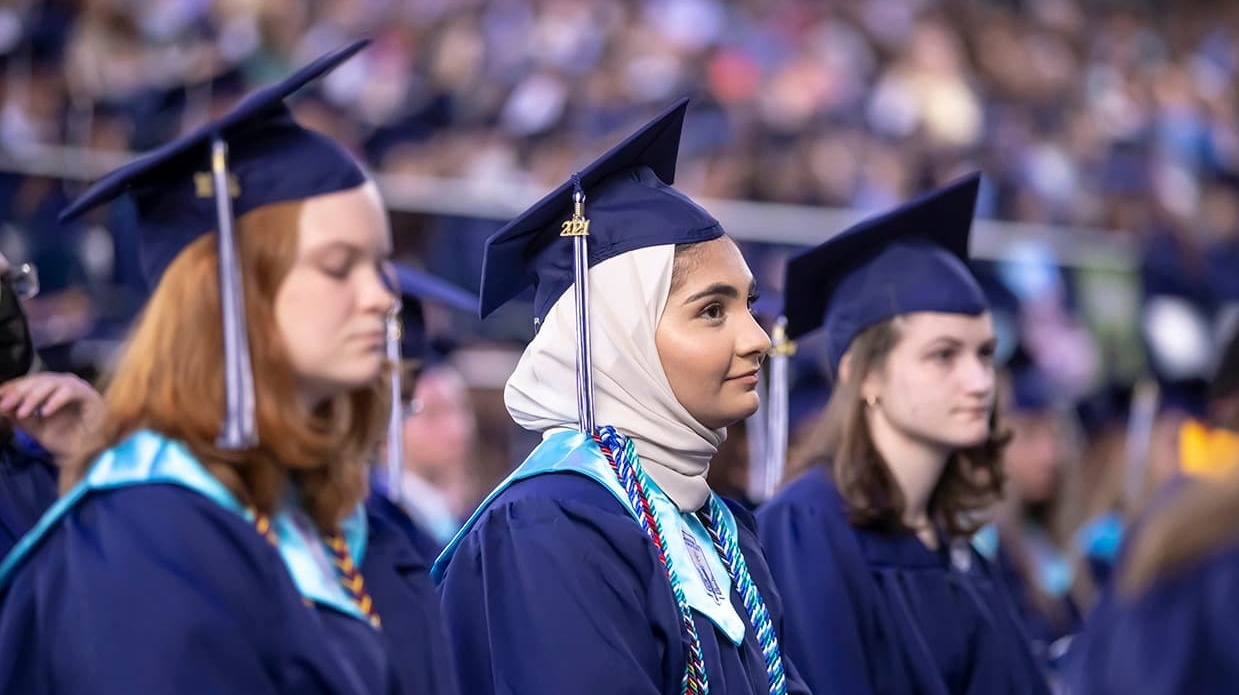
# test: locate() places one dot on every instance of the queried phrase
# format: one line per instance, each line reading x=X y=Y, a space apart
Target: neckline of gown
x=902 y=549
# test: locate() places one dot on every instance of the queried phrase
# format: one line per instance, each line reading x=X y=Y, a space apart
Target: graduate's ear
x=845 y=368
x=868 y=386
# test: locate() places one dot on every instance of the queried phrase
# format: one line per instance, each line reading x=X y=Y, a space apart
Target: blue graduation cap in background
x=416 y=287
x=910 y=259
x=253 y=156
x=631 y=205
x=1032 y=391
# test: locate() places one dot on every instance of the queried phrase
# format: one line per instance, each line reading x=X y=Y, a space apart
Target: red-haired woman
x=189 y=557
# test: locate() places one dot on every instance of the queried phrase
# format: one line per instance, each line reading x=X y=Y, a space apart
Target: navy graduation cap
x=910 y=259
x=253 y=156
x=630 y=205
x=269 y=158
x=416 y=287
x=1032 y=391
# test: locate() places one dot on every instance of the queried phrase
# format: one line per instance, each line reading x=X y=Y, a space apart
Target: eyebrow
x=955 y=342
x=720 y=289
x=351 y=248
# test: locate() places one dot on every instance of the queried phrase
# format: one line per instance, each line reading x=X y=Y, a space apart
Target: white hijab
x=627 y=295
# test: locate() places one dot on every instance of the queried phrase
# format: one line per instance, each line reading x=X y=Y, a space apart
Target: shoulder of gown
x=381 y=510
x=759 y=569
x=823 y=579
x=28 y=486
x=397 y=573
x=858 y=603
x=550 y=590
x=155 y=588
x=1179 y=636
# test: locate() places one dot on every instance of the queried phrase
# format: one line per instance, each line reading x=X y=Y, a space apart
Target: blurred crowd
x=1075 y=109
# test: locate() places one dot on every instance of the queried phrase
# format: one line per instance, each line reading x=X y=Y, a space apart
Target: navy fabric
x=271 y=158
x=1180 y=636
x=416 y=287
x=630 y=205
x=28 y=486
x=158 y=589
x=875 y=612
x=556 y=589
x=910 y=259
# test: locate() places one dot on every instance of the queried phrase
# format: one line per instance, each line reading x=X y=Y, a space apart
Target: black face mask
x=16 y=347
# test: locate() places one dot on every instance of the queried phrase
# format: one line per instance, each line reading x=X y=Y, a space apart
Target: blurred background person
x=47 y=417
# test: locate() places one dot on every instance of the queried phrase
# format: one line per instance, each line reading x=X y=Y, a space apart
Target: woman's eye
x=338 y=271
x=713 y=311
x=942 y=355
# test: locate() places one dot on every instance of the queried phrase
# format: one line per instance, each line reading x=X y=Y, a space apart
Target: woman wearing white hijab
x=604 y=564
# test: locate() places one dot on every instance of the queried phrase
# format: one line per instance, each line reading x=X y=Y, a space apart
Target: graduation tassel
x=394 y=463
x=777 y=416
x=578 y=229
x=239 y=430
x=1145 y=401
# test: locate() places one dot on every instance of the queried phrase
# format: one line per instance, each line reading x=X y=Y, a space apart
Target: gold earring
x=872 y=401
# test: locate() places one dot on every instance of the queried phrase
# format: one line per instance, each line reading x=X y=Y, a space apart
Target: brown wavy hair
x=1200 y=521
x=170 y=379
x=971 y=481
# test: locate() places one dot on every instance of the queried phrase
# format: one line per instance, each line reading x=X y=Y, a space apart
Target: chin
x=725 y=418
x=971 y=437
x=345 y=381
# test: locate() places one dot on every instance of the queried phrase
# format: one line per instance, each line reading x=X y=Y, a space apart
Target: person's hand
x=58 y=410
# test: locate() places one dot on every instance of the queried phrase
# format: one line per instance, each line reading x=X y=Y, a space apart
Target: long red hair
x=170 y=379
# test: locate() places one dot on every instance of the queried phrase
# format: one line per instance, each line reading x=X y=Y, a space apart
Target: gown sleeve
x=398 y=576
x=821 y=585
x=759 y=569
x=548 y=596
x=28 y=487
x=1181 y=636
x=150 y=589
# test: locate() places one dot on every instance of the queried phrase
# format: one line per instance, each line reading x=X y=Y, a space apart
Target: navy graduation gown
x=397 y=572
x=873 y=612
x=556 y=589
x=380 y=506
x=1180 y=636
x=28 y=487
x=1050 y=621
x=156 y=588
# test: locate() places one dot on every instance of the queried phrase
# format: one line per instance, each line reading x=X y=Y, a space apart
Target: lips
x=747 y=377
x=372 y=340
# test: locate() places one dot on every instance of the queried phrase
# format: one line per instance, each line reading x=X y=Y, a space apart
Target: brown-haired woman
x=871 y=545
x=203 y=546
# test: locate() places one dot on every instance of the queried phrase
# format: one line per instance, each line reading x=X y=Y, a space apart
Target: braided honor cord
x=632 y=477
x=628 y=471
x=759 y=617
x=350 y=577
